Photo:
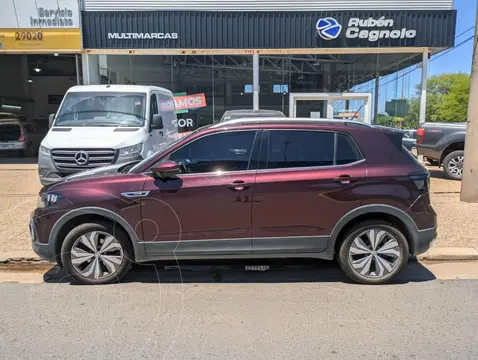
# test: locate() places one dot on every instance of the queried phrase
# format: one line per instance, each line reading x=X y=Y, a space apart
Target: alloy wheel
x=455 y=165
x=375 y=253
x=96 y=255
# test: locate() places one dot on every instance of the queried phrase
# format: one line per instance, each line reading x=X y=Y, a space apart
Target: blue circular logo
x=328 y=28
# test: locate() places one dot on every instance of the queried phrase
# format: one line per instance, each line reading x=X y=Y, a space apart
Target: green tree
x=447 y=99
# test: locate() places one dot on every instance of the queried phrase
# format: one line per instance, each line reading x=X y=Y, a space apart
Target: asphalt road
x=286 y=313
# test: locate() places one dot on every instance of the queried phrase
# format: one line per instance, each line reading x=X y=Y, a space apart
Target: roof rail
x=274 y=120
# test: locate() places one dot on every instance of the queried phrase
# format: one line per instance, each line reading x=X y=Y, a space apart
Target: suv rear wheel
x=453 y=165
x=96 y=253
x=373 y=252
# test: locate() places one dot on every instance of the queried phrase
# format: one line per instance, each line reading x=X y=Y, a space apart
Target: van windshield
x=102 y=109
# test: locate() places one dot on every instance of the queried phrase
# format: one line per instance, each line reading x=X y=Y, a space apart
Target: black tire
x=432 y=162
x=343 y=253
x=446 y=165
x=105 y=227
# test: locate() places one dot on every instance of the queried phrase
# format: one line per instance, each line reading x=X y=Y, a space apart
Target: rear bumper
x=12 y=146
x=423 y=240
x=428 y=152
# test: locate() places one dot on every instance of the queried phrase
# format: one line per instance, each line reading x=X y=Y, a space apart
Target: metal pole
x=255 y=81
x=375 y=105
x=77 y=70
x=423 y=97
x=469 y=183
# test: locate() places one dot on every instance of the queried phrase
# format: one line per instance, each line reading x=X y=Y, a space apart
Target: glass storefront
x=226 y=81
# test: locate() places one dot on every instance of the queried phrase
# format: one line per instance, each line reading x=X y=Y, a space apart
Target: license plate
x=5 y=146
x=257 y=267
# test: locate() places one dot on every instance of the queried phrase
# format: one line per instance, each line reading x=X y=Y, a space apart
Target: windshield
x=102 y=109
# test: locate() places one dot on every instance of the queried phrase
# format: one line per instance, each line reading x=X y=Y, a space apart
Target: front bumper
x=43 y=250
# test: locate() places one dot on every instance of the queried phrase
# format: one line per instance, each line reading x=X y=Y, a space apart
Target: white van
x=100 y=125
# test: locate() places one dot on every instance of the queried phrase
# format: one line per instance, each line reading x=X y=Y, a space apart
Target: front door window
x=217 y=153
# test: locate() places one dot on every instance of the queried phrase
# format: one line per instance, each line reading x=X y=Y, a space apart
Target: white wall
x=43 y=86
x=39 y=13
x=271 y=5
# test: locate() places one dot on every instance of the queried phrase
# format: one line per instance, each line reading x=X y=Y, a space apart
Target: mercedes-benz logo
x=81 y=158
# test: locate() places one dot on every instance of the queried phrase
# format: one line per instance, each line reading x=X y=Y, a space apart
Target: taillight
x=421 y=181
x=420 y=135
x=21 y=138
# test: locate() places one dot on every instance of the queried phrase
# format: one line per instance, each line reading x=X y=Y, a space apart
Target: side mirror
x=51 y=119
x=157 y=122
x=166 y=169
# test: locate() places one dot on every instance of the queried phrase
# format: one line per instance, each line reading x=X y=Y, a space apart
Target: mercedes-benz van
x=101 y=125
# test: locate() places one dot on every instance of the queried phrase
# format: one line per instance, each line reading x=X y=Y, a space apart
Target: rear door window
x=300 y=148
x=347 y=152
x=305 y=148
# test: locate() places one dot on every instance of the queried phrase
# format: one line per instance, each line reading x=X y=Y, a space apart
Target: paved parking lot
x=19 y=187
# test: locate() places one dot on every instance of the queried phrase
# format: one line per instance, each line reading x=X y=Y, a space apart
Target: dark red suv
x=259 y=188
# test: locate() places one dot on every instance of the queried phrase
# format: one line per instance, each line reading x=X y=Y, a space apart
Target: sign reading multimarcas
x=370 y=29
x=202 y=31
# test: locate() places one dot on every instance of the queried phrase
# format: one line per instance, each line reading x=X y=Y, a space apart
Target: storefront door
x=337 y=105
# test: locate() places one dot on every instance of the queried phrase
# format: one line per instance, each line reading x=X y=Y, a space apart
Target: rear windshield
x=10 y=132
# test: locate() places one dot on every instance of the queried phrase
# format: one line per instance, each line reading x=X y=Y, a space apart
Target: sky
x=456 y=60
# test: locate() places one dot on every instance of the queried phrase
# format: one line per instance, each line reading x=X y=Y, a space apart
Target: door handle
x=345 y=179
x=239 y=185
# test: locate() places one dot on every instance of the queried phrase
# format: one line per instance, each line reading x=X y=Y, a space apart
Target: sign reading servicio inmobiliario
x=267 y=30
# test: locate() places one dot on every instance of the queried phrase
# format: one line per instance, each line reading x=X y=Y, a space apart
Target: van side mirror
x=166 y=169
x=51 y=119
x=157 y=122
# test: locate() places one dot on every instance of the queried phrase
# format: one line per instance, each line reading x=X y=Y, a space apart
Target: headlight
x=44 y=150
x=47 y=199
x=131 y=150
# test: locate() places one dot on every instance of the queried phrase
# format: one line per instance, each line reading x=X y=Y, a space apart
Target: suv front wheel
x=373 y=252
x=96 y=253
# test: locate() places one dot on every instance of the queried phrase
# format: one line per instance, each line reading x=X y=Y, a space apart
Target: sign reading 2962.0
x=370 y=29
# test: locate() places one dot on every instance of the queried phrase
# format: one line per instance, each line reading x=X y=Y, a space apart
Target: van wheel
x=453 y=165
x=373 y=252
x=97 y=253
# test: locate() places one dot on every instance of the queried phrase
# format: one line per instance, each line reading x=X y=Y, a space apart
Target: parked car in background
x=266 y=188
x=100 y=125
x=443 y=145
x=18 y=136
x=409 y=139
x=249 y=113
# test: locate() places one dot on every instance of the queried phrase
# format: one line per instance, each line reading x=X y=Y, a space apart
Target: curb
x=434 y=254
x=449 y=254
x=20 y=257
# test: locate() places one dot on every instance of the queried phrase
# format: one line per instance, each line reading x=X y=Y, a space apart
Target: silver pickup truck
x=443 y=145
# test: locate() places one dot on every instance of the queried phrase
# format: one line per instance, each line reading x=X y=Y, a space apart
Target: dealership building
x=322 y=58
x=40 y=55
